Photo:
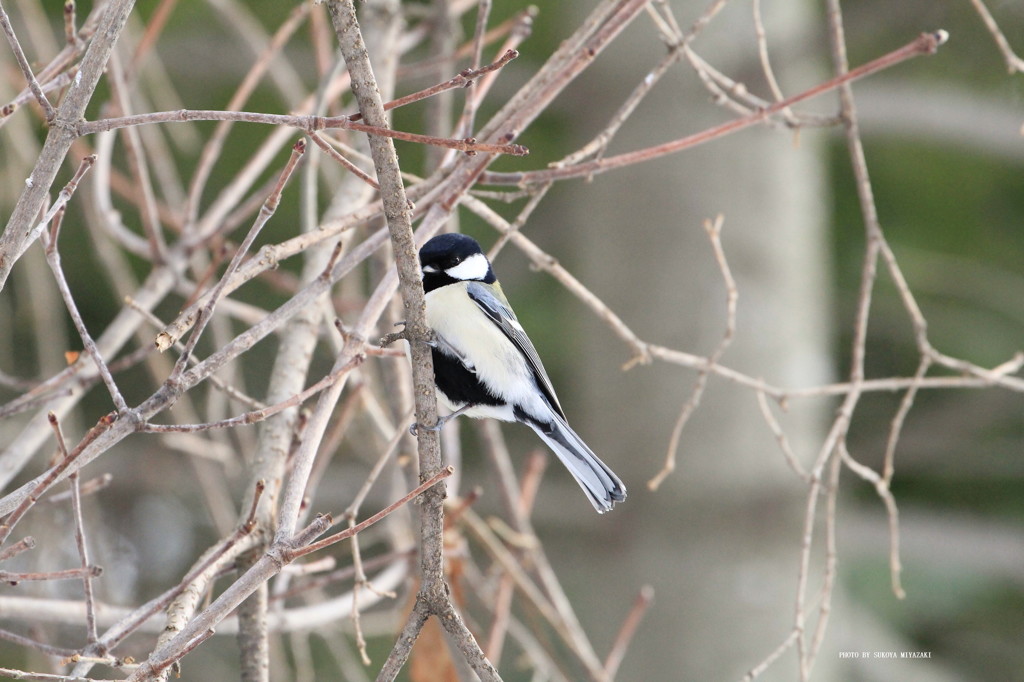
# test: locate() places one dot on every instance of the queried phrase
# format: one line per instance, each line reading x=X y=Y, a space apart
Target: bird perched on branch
x=486 y=366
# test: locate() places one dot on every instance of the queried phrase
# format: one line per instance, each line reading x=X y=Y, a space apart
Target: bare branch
x=629 y=626
x=277 y=556
x=463 y=80
x=5 y=23
x=62 y=134
x=1014 y=64
x=88 y=571
x=308 y=124
x=714 y=231
x=925 y=44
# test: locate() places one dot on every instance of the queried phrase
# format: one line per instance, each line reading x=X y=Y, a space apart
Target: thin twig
x=85 y=573
x=896 y=426
x=263 y=413
x=54 y=260
x=140 y=176
x=359 y=527
x=627 y=631
x=926 y=43
x=308 y=124
x=266 y=212
x=1014 y=64
x=770 y=659
x=348 y=165
x=29 y=643
x=463 y=80
x=277 y=556
x=472 y=100
x=215 y=144
x=766 y=64
x=202 y=571
x=53 y=475
x=714 y=231
x=780 y=437
x=70 y=23
x=831 y=559
x=83 y=549
x=23 y=545
x=520 y=23
x=221 y=385
x=803 y=576
x=269 y=257
x=59 y=82
x=882 y=488
x=677 y=45
x=533 y=594
x=12 y=674
x=360 y=583
x=19 y=55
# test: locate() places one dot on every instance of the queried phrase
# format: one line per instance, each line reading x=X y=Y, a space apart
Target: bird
x=486 y=367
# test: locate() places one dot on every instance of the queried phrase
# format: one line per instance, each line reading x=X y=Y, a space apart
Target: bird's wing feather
x=499 y=312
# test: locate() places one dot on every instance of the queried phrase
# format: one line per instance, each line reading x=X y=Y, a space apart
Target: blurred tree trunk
x=720 y=539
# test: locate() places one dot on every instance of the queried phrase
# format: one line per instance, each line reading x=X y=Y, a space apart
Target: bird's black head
x=452 y=257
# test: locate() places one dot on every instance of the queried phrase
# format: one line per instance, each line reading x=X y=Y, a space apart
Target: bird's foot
x=414 y=429
x=441 y=421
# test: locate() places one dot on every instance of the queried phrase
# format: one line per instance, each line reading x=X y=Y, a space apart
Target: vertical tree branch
x=399 y=219
x=433 y=595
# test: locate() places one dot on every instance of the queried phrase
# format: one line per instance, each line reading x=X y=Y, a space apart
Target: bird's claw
x=414 y=429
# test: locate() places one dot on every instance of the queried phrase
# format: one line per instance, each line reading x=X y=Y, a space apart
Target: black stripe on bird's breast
x=458 y=383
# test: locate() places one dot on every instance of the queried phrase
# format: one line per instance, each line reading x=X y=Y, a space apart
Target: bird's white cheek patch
x=474 y=267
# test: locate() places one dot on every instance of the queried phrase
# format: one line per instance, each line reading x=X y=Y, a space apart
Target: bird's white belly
x=497 y=363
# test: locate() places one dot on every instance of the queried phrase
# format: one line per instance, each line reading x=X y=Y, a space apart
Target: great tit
x=485 y=365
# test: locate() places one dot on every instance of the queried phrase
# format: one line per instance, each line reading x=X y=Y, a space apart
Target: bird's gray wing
x=499 y=312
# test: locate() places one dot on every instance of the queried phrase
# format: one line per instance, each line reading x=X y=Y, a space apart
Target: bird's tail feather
x=600 y=483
